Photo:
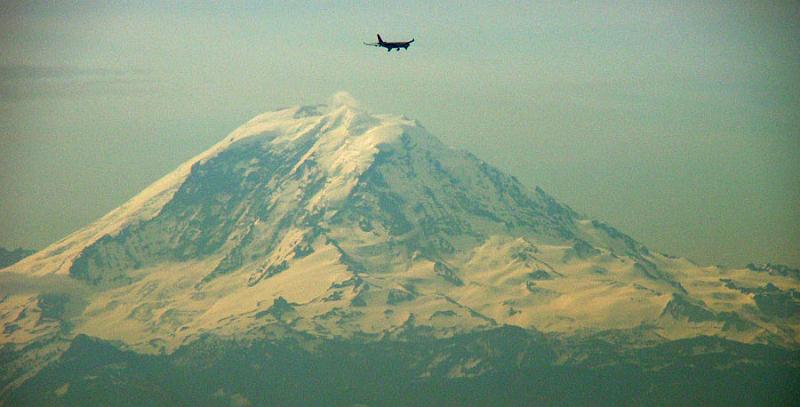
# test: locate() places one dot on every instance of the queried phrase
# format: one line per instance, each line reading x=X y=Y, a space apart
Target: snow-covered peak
x=345 y=137
x=341 y=118
x=362 y=223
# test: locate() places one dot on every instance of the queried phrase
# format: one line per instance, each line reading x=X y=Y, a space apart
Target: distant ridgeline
x=9 y=257
x=505 y=366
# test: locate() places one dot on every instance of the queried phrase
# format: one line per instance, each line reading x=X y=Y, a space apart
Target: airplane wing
x=372 y=44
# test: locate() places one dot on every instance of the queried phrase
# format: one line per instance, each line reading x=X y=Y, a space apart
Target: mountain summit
x=336 y=223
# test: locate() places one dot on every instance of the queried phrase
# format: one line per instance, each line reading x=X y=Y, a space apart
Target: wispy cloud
x=13 y=72
x=21 y=81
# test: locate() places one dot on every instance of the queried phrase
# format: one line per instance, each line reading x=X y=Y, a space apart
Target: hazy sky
x=677 y=122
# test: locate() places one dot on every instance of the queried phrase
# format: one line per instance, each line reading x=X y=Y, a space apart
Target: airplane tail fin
x=379 y=38
x=412 y=40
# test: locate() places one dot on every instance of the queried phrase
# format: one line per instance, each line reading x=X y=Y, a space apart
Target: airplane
x=390 y=45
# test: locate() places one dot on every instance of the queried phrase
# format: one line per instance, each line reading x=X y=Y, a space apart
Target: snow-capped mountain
x=336 y=223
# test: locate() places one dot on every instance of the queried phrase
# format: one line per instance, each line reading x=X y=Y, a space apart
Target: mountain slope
x=340 y=224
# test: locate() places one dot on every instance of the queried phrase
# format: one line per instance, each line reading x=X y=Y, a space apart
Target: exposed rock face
x=9 y=257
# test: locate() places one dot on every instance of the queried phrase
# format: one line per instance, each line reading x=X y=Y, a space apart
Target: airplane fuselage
x=394 y=45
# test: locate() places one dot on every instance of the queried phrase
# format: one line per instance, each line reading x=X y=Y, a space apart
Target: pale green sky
x=679 y=124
